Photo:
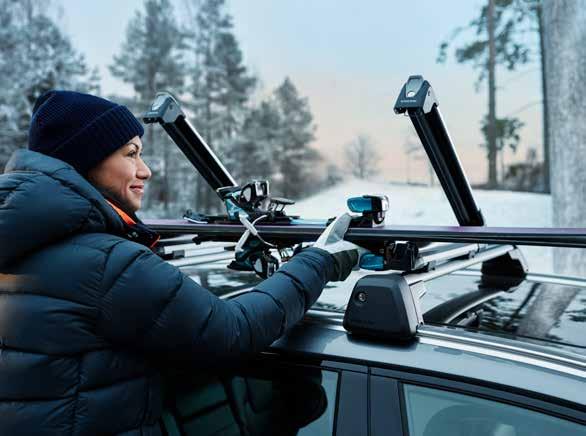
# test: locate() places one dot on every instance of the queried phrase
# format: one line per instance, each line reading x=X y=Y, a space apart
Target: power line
x=516 y=77
x=524 y=107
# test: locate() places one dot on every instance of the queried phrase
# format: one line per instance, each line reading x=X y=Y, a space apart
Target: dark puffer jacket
x=80 y=308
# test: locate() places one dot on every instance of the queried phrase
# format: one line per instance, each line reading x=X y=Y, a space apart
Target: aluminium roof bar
x=484 y=254
x=441 y=252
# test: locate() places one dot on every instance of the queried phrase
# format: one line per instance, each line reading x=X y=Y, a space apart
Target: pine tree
x=151 y=60
x=506 y=134
x=498 y=41
x=35 y=56
x=221 y=88
x=258 y=138
x=294 y=159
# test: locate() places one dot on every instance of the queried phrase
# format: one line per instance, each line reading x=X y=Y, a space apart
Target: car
x=441 y=333
x=468 y=370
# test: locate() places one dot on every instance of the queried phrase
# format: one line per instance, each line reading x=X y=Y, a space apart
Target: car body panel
x=551 y=368
x=445 y=357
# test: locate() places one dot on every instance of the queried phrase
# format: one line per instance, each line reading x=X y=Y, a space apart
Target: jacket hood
x=44 y=200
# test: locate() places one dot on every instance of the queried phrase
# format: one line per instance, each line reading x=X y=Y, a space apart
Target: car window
x=291 y=401
x=433 y=412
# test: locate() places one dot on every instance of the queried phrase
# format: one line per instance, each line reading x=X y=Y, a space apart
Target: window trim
x=351 y=377
x=352 y=408
x=546 y=406
x=385 y=410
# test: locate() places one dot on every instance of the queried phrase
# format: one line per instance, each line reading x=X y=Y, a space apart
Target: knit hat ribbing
x=80 y=129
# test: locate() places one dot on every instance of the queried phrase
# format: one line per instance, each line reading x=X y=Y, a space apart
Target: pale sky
x=350 y=59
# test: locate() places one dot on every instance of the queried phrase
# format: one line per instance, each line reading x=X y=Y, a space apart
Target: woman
x=84 y=300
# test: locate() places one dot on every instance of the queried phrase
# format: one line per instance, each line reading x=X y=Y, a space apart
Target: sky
x=350 y=59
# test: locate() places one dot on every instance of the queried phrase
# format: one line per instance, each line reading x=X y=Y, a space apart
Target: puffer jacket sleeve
x=150 y=306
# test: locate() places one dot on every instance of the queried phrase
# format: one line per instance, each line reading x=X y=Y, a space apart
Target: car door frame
x=351 y=408
x=386 y=389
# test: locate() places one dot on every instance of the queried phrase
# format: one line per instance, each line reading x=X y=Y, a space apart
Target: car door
x=425 y=405
x=269 y=396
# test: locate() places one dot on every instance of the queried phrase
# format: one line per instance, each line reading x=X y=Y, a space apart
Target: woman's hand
x=346 y=255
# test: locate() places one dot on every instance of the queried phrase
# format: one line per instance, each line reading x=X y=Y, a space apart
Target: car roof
x=449 y=352
x=492 y=353
x=503 y=308
x=489 y=353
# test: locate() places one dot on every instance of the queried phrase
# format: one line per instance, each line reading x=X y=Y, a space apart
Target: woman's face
x=122 y=175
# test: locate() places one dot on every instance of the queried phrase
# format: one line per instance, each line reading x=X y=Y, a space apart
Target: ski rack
x=398 y=245
x=251 y=200
x=406 y=249
x=166 y=111
x=374 y=297
x=418 y=101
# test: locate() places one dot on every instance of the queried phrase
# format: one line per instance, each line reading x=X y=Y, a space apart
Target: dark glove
x=346 y=255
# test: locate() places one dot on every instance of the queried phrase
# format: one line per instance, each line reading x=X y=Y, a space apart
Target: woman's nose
x=143 y=171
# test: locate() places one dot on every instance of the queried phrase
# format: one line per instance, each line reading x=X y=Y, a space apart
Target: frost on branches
x=35 y=56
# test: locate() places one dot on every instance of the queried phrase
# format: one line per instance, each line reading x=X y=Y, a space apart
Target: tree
x=535 y=8
x=294 y=159
x=506 y=135
x=361 y=156
x=498 y=42
x=415 y=151
x=220 y=90
x=333 y=176
x=528 y=15
x=151 y=60
x=253 y=151
x=35 y=56
x=526 y=175
x=565 y=58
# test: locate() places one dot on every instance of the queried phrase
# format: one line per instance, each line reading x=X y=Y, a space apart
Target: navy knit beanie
x=80 y=129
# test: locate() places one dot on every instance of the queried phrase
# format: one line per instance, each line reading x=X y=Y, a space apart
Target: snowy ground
x=415 y=205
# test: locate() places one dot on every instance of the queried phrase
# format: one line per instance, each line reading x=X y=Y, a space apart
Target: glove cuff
x=343 y=263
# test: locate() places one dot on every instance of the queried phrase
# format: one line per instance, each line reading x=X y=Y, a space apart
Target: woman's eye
x=132 y=154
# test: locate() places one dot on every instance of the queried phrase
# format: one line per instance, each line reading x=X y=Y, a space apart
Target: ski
x=300 y=233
